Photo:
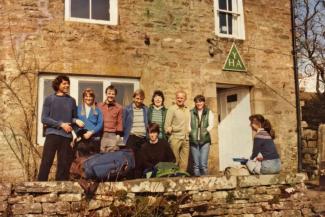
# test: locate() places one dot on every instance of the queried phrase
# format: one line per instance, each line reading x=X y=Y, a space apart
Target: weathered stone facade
x=312 y=143
x=267 y=195
x=177 y=57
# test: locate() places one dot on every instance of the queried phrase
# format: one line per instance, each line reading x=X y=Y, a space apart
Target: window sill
x=230 y=36
x=91 y=21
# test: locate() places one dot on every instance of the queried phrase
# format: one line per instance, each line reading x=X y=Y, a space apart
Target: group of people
x=155 y=133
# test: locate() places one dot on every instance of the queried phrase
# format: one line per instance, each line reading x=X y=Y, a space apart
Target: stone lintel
x=276 y=179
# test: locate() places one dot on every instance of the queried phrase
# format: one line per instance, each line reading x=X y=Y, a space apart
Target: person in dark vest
x=201 y=124
x=157 y=112
x=59 y=114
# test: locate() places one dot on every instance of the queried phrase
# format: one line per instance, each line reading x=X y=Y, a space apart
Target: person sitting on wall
x=59 y=114
x=154 y=151
x=113 y=126
x=265 y=158
x=157 y=112
x=201 y=123
x=91 y=116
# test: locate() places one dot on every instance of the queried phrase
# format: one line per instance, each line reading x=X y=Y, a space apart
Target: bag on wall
x=166 y=169
x=110 y=165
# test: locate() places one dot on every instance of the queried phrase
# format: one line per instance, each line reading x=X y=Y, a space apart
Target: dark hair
x=199 y=98
x=158 y=93
x=265 y=123
x=58 y=80
x=153 y=128
x=86 y=148
x=111 y=87
x=138 y=92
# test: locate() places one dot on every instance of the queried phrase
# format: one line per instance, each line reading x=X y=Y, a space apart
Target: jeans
x=65 y=154
x=200 y=154
x=271 y=166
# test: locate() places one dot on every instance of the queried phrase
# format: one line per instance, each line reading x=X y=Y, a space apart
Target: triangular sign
x=234 y=61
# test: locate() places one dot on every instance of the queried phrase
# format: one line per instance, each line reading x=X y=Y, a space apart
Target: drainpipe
x=296 y=76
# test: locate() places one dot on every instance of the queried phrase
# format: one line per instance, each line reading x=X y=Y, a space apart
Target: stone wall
x=35 y=38
x=264 y=195
x=312 y=145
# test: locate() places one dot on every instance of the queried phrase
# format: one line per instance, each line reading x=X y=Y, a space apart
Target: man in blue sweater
x=58 y=114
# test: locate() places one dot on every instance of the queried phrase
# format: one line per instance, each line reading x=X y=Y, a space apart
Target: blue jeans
x=200 y=154
x=271 y=166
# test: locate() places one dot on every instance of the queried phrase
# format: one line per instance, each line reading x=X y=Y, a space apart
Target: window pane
x=124 y=93
x=97 y=86
x=48 y=90
x=223 y=22
x=80 y=8
x=223 y=4
x=230 y=16
x=100 y=9
x=229 y=5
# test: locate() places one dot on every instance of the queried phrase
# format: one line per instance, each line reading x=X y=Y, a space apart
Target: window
x=229 y=19
x=125 y=88
x=92 y=11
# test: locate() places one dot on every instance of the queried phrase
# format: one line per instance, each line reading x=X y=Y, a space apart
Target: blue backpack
x=109 y=166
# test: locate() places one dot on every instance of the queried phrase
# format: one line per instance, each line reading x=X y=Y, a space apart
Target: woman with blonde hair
x=90 y=115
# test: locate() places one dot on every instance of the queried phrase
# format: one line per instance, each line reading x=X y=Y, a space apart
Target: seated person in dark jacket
x=154 y=151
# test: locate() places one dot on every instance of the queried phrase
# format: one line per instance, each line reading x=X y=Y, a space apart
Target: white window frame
x=238 y=25
x=113 y=11
x=74 y=79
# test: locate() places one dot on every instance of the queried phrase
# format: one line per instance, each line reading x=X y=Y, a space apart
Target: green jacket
x=164 y=112
x=200 y=127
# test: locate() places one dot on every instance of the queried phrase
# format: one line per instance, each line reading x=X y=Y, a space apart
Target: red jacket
x=112 y=117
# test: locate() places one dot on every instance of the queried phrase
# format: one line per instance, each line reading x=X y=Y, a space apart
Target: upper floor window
x=92 y=11
x=229 y=19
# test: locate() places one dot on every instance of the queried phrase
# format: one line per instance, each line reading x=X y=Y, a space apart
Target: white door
x=235 y=136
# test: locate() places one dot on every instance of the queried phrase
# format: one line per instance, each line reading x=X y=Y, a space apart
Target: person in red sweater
x=112 y=116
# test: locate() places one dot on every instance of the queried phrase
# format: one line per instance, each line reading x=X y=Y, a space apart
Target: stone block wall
x=265 y=195
x=312 y=143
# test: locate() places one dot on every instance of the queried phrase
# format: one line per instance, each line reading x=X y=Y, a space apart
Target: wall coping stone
x=158 y=185
x=274 y=179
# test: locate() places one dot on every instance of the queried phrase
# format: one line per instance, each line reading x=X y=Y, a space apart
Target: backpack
x=109 y=165
x=166 y=169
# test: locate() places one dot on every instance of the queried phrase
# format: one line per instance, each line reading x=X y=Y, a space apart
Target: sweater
x=58 y=110
x=151 y=119
x=128 y=120
x=178 y=119
x=263 y=143
x=94 y=122
x=151 y=154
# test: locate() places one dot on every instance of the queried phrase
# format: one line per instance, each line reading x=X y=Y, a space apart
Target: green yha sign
x=234 y=62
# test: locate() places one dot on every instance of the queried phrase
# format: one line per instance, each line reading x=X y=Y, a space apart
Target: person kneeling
x=154 y=151
x=265 y=158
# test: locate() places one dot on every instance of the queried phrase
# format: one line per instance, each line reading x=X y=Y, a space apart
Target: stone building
x=154 y=44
